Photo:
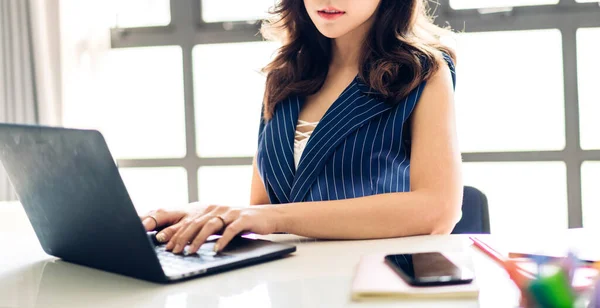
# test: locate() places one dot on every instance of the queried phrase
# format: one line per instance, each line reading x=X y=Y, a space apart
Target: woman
x=383 y=160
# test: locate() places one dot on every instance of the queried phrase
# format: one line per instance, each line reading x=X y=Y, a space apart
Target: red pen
x=501 y=260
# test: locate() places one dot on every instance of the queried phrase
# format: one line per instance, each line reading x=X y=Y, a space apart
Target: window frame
x=187 y=30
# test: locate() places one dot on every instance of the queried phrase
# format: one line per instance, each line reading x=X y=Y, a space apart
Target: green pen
x=553 y=290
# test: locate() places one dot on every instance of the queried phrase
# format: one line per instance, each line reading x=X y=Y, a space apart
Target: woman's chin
x=332 y=32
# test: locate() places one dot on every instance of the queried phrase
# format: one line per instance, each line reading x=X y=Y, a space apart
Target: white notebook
x=375 y=279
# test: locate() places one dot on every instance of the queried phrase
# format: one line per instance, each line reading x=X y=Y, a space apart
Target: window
x=478 y=4
x=218 y=69
x=153 y=188
x=127 y=14
x=137 y=102
x=519 y=193
x=590 y=174
x=235 y=10
x=225 y=185
x=589 y=92
x=501 y=90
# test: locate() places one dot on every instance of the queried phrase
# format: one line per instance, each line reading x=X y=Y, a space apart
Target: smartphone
x=428 y=269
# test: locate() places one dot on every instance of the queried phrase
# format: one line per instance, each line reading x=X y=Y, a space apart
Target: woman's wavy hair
x=402 y=49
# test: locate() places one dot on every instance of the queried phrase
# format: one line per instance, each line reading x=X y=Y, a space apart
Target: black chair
x=475 y=214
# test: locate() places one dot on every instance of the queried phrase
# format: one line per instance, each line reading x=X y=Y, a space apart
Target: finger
x=230 y=232
x=149 y=224
x=148 y=221
x=167 y=233
x=187 y=233
x=213 y=226
x=183 y=224
x=163 y=218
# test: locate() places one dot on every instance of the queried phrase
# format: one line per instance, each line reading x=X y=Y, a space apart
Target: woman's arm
x=258 y=193
x=433 y=204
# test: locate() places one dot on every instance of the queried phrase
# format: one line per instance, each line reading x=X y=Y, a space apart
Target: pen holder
x=555 y=288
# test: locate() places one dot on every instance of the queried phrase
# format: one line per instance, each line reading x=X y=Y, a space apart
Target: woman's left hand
x=197 y=225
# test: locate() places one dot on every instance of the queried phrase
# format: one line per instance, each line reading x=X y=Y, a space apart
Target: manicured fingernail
x=161 y=237
x=216 y=248
x=191 y=250
x=177 y=248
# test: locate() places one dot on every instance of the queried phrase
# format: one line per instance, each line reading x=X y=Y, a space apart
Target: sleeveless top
x=361 y=147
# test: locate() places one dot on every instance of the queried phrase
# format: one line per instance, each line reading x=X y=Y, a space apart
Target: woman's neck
x=346 y=49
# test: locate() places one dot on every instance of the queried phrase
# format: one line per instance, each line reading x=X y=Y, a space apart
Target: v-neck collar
x=357 y=104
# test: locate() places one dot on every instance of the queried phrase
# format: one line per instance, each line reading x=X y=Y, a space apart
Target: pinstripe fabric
x=360 y=147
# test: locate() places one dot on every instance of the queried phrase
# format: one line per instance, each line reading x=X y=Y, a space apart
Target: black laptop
x=77 y=203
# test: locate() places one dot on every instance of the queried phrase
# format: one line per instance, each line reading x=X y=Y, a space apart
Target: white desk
x=317 y=275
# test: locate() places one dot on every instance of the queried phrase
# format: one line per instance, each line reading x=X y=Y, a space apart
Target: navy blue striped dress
x=361 y=147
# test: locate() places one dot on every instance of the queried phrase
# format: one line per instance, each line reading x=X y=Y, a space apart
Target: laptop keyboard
x=182 y=263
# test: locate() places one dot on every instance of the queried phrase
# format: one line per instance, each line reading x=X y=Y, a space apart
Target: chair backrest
x=475 y=214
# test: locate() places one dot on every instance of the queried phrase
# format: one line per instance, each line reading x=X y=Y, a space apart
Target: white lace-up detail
x=301 y=138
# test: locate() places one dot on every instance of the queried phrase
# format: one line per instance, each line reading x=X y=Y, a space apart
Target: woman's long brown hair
x=402 y=49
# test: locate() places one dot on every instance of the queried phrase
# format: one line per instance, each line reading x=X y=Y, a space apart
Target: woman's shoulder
x=444 y=69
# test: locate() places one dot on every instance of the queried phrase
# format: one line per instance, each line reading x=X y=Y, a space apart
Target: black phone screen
x=429 y=268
